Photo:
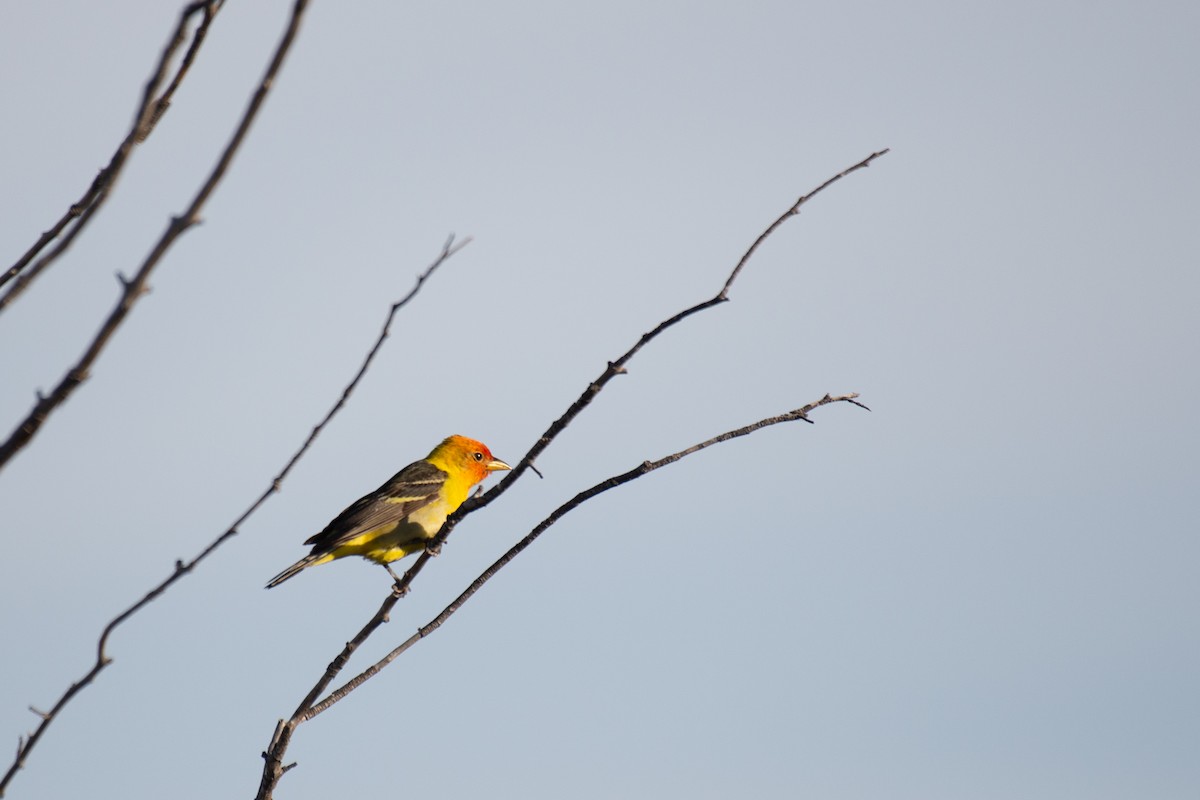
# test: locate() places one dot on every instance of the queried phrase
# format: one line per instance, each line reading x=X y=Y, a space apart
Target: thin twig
x=149 y=112
x=644 y=468
x=183 y=568
x=135 y=287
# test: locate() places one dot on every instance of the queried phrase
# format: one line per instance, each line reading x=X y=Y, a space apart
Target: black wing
x=411 y=488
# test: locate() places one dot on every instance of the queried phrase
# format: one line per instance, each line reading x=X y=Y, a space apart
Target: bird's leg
x=398 y=589
x=434 y=550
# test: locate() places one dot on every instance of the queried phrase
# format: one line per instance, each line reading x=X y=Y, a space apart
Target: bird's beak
x=496 y=465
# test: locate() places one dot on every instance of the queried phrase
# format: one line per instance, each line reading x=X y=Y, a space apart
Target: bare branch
x=149 y=112
x=644 y=468
x=136 y=286
x=183 y=568
x=793 y=211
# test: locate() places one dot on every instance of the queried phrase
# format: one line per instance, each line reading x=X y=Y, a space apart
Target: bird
x=403 y=514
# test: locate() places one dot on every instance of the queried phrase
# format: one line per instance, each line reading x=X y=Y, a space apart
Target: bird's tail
x=294 y=570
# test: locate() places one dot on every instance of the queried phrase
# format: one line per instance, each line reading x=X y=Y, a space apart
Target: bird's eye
x=478 y=456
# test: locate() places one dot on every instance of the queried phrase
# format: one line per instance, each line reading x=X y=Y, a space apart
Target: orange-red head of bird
x=458 y=454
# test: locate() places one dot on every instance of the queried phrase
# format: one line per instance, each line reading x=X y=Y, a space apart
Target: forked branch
x=274 y=766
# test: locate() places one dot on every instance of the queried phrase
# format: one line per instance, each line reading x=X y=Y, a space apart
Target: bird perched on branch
x=398 y=518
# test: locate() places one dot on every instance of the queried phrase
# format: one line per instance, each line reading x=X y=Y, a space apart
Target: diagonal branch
x=135 y=287
x=149 y=112
x=183 y=568
x=644 y=468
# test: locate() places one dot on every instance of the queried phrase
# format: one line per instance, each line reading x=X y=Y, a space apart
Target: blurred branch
x=183 y=568
x=149 y=112
x=274 y=768
x=133 y=288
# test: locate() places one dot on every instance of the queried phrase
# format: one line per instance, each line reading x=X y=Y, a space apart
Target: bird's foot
x=398 y=588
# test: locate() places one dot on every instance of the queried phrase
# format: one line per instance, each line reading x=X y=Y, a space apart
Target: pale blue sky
x=986 y=588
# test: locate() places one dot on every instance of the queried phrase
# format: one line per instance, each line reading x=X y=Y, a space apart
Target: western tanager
x=399 y=517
